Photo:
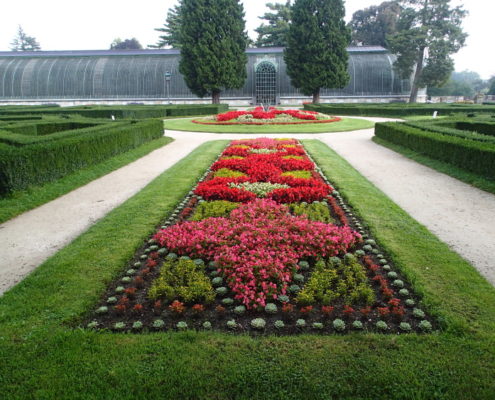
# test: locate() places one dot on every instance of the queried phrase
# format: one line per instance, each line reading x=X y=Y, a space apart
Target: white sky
x=94 y=24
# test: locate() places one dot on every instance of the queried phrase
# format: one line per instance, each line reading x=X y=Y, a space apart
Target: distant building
x=152 y=76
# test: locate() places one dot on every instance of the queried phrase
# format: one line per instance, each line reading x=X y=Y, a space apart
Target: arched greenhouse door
x=266 y=83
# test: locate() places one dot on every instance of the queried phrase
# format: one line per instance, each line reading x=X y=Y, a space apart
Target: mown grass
x=42 y=357
x=21 y=201
x=346 y=124
x=465 y=176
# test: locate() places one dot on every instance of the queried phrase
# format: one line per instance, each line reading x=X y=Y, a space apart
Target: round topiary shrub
x=231 y=324
x=158 y=324
x=279 y=324
x=357 y=325
x=137 y=325
x=207 y=325
x=425 y=326
x=283 y=298
x=418 y=313
x=404 y=326
x=300 y=323
x=381 y=325
x=239 y=310
x=221 y=291
x=181 y=325
x=119 y=326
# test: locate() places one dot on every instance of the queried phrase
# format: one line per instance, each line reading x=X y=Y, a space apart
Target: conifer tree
x=213 y=43
x=171 y=29
x=316 y=54
x=23 y=42
x=275 y=33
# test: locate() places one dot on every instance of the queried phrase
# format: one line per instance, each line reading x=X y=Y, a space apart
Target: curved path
x=460 y=215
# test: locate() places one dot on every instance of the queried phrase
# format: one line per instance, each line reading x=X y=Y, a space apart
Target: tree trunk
x=316 y=96
x=417 y=76
x=215 y=96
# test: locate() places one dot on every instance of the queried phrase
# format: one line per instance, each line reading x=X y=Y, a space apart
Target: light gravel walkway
x=460 y=215
x=29 y=239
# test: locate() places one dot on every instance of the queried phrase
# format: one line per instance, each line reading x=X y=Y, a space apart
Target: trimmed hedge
x=471 y=155
x=397 y=109
x=132 y=111
x=47 y=160
x=459 y=129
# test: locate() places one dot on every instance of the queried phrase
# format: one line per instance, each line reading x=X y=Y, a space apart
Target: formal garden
x=252 y=260
x=182 y=250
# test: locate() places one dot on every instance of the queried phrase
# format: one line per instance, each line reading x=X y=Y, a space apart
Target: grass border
x=470 y=178
x=24 y=200
x=41 y=357
x=346 y=124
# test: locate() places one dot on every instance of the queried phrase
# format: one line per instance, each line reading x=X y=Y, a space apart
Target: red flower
x=383 y=311
x=327 y=310
x=177 y=307
x=198 y=308
x=306 y=310
x=348 y=310
x=137 y=308
x=365 y=311
x=288 y=308
x=394 y=302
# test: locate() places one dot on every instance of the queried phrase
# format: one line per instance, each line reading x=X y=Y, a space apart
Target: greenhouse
x=152 y=76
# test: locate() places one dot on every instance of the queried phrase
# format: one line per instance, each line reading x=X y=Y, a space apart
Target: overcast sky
x=94 y=24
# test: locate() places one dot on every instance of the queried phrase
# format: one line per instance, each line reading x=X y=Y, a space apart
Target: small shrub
x=137 y=325
x=418 y=313
x=357 y=325
x=119 y=326
x=317 y=326
x=381 y=325
x=271 y=308
x=158 y=324
x=279 y=324
x=258 y=323
x=207 y=325
x=338 y=325
x=425 y=326
x=240 y=310
x=181 y=326
x=300 y=323
x=404 y=326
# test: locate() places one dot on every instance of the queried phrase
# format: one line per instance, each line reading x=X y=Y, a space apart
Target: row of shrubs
x=396 y=109
x=479 y=131
x=44 y=160
x=132 y=111
x=471 y=155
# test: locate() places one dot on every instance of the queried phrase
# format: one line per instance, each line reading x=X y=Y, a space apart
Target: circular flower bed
x=271 y=117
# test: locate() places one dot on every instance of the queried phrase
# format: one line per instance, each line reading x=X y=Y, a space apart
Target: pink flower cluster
x=258 y=247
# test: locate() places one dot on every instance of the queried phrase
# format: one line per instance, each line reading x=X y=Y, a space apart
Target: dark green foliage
x=479 y=131
x=491 y=89
x=217 y=208
x=429 y=32
x=136 y=112
x=182 y=280
x=275 y=33
x=397 y=110
x=46 y=160
x=328 y=282
x=171 y=29
x=213 y=44
x=127 y=44
x=316 y=53
x=370 y=26
x=313 y=211
x=471 y=155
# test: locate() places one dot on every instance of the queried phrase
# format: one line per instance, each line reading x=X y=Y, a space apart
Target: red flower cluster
x=258 y=113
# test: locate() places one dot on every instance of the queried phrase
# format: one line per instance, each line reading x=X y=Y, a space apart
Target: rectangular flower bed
x=262 y=244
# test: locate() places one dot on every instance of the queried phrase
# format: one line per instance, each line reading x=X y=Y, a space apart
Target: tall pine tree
x=316 y=54
x=429 y=32
x=213 y=43
x=275 y=33
x=171 y=29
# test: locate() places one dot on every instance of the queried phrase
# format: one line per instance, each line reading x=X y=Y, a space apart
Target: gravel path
x=460 y=215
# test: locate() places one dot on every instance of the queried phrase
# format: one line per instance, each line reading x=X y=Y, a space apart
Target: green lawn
x=21 y=201
x=465 y=176
x=347 y=124
x=43 y=357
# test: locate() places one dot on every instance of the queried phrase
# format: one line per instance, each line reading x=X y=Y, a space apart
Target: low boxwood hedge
x=474 y=156
x=48 y=159
x=397 y=109
x=119 y=112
